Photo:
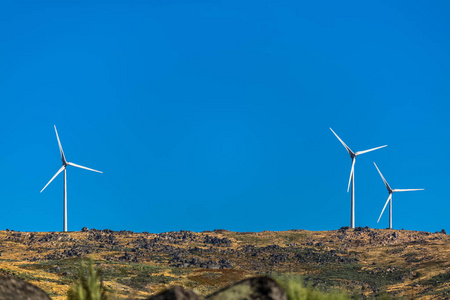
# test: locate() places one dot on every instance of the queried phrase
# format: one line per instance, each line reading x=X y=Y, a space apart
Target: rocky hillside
x=363 y=261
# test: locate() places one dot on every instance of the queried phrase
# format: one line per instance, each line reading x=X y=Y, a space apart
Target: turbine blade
x=365 y=151
x=389 y=198
x=60 y=147
x=78 y=166
x=342 y=142
x=385 y=182
x=407 y=190
x=59 y=171
x=351 y=173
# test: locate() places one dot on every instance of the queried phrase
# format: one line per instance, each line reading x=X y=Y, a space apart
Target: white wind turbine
x=389 y=199
x=351 y=180
x=65 y=163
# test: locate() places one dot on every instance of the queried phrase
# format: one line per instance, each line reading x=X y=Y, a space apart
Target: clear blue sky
x=215 y=114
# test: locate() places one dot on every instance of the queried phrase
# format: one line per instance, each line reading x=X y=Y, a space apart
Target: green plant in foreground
x=296 y=291
x=89 y=285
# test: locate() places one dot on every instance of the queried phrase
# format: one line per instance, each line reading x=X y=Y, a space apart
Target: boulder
x=17 y=289
x=261 y=288
x=175 y=293
x=256 y=288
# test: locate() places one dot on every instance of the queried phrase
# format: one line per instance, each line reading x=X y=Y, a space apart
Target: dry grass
x=368 y=261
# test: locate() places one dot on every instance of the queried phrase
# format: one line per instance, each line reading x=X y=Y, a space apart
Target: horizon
x=357 y=228
x=216 y=115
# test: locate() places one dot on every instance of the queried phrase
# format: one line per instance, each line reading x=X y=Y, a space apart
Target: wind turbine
x=65 y=163
x=389 y=199
x=351 y=180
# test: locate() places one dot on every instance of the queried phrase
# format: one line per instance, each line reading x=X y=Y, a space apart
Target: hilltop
x=362 y=261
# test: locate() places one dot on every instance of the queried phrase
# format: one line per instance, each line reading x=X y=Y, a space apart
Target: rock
x=221 y=230
x=278 y=258
x=362 y=229
x=14 y=288
x=344 y=228
x=261 y=288
x=175 y=293
x=443 y=231
x=84 y=229
x=217 y=241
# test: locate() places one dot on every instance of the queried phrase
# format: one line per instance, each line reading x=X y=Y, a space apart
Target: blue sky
x=215 y=114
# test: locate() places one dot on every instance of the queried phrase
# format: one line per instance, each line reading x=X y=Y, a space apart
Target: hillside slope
x=362 y=261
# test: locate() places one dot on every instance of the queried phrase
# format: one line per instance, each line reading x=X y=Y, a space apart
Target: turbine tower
x=65 y=163
x=389 y=199
x=351 y=180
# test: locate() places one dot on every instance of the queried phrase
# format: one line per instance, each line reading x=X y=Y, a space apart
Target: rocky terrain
x=363 y=261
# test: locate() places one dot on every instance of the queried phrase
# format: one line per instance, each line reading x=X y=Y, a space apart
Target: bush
x=89 y=285
x=296 y=291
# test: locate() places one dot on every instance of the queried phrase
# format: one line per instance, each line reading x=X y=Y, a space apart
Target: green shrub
x=89 y=285
x=296 y=291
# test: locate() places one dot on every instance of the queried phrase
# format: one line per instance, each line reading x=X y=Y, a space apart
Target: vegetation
x=362 y=262
x=296 y=291
x=89 y=285
x=437 y=279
